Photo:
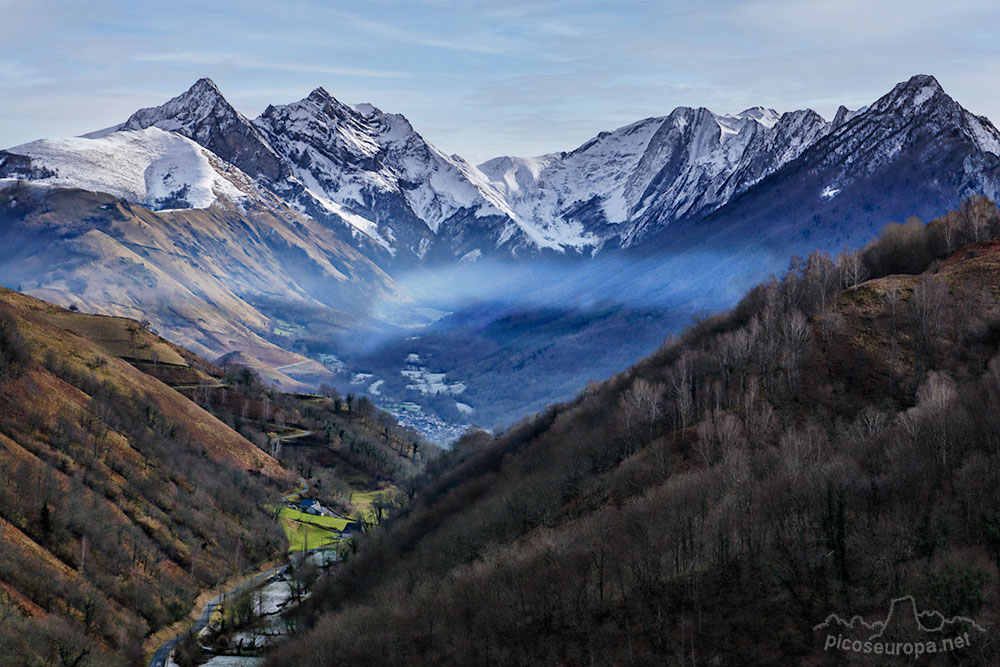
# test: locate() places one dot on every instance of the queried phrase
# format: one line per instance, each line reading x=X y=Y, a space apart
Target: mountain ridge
x=374 y=180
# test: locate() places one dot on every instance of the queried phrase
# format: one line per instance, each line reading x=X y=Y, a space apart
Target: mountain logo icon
x=905 y=630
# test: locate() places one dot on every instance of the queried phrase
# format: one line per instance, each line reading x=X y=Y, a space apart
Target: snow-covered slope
x=157 y=169
x=546 y=187
x=683 y=164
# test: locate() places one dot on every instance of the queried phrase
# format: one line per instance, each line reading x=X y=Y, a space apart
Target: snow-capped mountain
x=375 y=181
x=915 y=151
x=393 y=185
x=362 y=171
x=914 y=112
x=203 y=115
x=659 y=169
x=623 y=185
x=377 y=184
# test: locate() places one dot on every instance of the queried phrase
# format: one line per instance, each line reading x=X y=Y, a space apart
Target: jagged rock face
x=337 y=157
x=708 y=160
x=408 y=195
x=14 y=165
x=913 y=113
x=626 y=185
x=364 y=172
x=203 y=115
x=647 y=174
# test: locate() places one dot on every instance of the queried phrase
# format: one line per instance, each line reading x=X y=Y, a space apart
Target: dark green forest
x=828 y=445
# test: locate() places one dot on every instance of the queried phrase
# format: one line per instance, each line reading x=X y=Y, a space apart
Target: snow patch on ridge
x=362 y=224
x=924 y=94
x=150 y=167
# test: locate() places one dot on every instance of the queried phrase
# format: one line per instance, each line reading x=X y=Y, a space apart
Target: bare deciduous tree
x=852 y=268
x=642 y=405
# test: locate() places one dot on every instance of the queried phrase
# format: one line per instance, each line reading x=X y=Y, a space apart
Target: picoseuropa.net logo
x=905 y=631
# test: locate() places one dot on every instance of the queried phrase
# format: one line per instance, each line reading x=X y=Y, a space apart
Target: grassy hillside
x=265 y=372
x=829 y=445
x=120 y=498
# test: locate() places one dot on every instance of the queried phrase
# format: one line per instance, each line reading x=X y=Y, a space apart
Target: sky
x=487 y=78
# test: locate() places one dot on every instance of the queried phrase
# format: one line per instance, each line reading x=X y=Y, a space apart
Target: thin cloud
x=481 y=42
x=248 y=63
x=15 y=74
x=489 y=77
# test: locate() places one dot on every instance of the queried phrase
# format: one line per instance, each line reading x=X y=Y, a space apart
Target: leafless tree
x=796 y=334
x=926 y=304
x=642 y=405
x=852 y=268
x=820 y=280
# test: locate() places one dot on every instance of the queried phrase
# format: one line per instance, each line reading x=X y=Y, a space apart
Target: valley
x=138 y=475
x=821 y=446
x=327 y=231
x=304 y=389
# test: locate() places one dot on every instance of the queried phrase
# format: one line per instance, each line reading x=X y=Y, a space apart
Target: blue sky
x=483 y=78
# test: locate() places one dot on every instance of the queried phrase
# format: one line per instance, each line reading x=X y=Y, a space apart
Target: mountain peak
x=182 y=113
x=912 y=93
x=320 y=95
x=844 y=114
x=202 y=86
x=329 y=104
x=919 y=85
x=202 y=94
x=766 y=117
x=921 y=80
x=202 y=114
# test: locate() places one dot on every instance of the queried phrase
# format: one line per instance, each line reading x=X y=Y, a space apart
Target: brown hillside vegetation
x=213 y=280
x=355 y=457
x=830 y=444
x=120 y=498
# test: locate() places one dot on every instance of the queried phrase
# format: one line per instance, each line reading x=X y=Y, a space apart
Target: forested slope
x=830 y=444
x=120 y=499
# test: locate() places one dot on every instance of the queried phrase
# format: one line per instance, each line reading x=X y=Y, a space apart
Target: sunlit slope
x=209 y=279
x=120 y=498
